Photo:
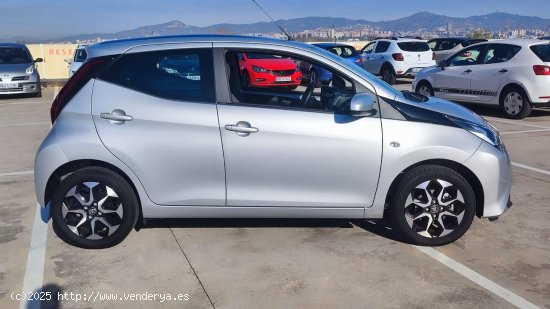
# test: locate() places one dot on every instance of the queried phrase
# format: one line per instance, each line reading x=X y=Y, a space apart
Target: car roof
x=521 y=42
x=115 y=47
x=329 y=45
x=12 y=45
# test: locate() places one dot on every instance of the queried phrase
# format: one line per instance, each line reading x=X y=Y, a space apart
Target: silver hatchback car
x=181 y=127
x=18 y=72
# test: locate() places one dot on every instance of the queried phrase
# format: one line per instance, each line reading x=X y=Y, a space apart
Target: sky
x=45 y=19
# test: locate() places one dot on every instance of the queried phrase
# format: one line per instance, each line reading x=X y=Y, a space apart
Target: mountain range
x=422 y=20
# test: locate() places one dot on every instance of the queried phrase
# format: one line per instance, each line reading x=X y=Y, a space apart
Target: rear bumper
x=494 y=170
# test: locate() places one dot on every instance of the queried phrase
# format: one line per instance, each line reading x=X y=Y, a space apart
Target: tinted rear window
x=542 y=51
x=414 y=46
x=172 y=74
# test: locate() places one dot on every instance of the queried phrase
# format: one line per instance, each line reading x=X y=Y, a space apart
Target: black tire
x=388 y=75
x=126 y=200
x=427 y=88
x=519 y=107
x=432 y=174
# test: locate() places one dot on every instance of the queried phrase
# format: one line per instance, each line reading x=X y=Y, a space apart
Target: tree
x=480 y=34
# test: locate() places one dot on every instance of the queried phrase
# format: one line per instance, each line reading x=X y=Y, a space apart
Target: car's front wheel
x=432 y=206
x=94 y=208
x=424 y=88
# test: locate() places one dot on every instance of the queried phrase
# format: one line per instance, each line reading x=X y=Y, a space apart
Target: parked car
x=314 y=72
x=396 y=57
x=265 y=70
x=445 y=47
x=18 y=72
x=131 y=139
x=513 y=74
x=79 y=57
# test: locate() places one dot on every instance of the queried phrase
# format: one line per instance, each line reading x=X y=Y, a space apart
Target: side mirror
x=38 y=60
x=442 y=64
x=68 y=60
x=362 y=104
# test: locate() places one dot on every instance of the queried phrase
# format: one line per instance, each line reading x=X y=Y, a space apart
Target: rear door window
x=414 y=46
x=172 y=74
x=382 y=47
x=498 y=53
x=542 y=51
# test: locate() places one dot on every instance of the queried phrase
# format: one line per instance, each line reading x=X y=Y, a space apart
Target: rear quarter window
x=414 y=46
x=542 y=51
x=185 y=75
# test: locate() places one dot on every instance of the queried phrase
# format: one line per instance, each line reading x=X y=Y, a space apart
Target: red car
x=265 y=70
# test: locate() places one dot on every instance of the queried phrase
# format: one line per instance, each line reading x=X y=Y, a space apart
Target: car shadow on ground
x=380 y=227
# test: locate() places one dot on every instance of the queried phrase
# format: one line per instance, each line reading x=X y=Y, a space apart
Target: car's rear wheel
x=424 y=88
x=388 y=75
x=432 y=205
x=94 y=208
x=515 y=103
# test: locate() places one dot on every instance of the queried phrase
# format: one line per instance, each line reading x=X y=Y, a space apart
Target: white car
x=80 y=56
x=396 y=57
x=514 y=74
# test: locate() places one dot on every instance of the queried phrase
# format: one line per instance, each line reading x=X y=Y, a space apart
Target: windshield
x=414 y=46
x=14 y=55
x=344 y=51
x=542 y=51
x=80 y=55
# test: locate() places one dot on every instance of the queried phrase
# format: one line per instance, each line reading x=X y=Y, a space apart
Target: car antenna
x=278 y=26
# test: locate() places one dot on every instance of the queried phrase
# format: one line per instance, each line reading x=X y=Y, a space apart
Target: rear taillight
x=433 y=56
x=75 y=83
x=398 y=57
x=541 y=69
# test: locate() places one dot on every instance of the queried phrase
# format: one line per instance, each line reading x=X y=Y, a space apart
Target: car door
x=156 y=112
x=280 y=154
x=487 y=77
x=453 y=81
x=366 y=54
x=379 y=56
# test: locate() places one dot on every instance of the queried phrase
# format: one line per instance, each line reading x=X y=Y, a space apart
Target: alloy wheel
x=434 y=208
x=92 y=210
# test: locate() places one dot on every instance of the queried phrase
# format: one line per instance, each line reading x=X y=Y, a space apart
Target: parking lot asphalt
x=277 y=263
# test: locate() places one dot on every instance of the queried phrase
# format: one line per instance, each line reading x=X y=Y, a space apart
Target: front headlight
x=30 y=70
x=258 y=69
x=486 y=132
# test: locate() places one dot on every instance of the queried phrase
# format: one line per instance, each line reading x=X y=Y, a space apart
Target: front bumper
x=22 y=88
x=493 y=168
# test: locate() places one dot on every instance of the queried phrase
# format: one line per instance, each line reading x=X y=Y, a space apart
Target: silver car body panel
x=77 y=138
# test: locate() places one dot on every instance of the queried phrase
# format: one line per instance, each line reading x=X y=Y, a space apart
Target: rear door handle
x=503 y=71
x=242 y=128
x=117 y=116
x=468 y=71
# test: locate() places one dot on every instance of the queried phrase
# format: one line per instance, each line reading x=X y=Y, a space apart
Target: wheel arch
x=384 y=65
x=70 y=167
x=511 y=85
x=423 y=81
x=465 y=172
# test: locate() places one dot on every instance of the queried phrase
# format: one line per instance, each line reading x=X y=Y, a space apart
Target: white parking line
x=34 y=272
x=526 y=131
x=475 y=277
x=517 y=122
x=534 y=169
x=16 y=173
x=23 y=124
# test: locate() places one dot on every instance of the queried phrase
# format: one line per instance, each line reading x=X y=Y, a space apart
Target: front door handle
x=242 y=128
x=503 y=71
x=468 y=71
x=117 y=116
